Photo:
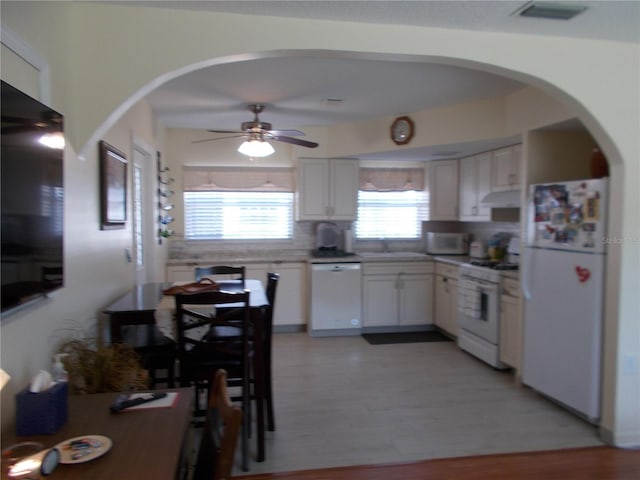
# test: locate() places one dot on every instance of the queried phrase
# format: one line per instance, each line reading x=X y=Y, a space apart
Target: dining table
x=151 y=442
x=139 y=306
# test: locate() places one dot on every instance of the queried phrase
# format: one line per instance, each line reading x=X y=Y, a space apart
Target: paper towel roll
x=348 y=241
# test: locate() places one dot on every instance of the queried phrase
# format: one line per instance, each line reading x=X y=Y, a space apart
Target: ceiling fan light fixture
x=256 y=148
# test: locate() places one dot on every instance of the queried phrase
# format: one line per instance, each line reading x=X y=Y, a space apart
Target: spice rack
x=164 y=204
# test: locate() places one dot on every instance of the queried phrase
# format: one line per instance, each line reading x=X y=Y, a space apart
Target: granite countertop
x=452 y=259
x=297 y=256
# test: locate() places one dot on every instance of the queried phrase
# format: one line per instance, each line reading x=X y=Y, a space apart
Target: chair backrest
x=220 y=434
x=272 y=287
x=215 y=272
x=197 y=315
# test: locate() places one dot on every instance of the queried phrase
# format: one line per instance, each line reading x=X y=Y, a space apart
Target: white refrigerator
x=563 y=287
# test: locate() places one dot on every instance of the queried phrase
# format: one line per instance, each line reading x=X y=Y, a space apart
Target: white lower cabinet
x=510 y=324
x=446 y=298
x=397 y=294
x=291 y=295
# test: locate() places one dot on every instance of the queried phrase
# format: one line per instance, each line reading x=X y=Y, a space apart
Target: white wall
x=96 y=269
x=98 y=73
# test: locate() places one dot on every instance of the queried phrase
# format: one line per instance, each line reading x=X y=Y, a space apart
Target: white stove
x=479 y=312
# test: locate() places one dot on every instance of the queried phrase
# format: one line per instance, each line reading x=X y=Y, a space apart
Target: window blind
x=391 y=214
x=241 y=203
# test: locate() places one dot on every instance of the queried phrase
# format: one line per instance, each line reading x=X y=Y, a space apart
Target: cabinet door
x=468 y=188
x=516 y=160
x=344 y=178
x=441 y=300
x=291 y=296
x=415 y=294
x=443 y=193
x=446 y=304
x=484 y=163
x=312 y=196
x=475 y=184
x=505 y=168
x=452 y=323
x=380 y=301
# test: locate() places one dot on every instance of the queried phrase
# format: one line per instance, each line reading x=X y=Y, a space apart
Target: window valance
x=224 y=179
x=391 y=179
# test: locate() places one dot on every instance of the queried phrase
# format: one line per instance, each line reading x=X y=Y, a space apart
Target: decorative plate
x=84 y=448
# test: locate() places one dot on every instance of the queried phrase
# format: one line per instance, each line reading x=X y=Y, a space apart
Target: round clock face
x=402 y=130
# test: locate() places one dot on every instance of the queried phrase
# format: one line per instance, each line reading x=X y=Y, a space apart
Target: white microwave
x=447 y=243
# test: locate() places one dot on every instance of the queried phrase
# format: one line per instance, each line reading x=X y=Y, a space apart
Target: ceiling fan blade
x=296 y=141
x=218 y=138
x=226 y=131
x=288 y=133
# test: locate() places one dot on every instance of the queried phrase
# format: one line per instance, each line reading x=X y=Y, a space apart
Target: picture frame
x=113 y=187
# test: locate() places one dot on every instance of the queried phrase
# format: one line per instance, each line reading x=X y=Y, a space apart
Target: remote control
x=122 y=404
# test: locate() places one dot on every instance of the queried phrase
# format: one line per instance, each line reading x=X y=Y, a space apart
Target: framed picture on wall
x=113 y=187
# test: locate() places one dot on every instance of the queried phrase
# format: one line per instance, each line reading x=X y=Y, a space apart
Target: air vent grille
x=549 y=10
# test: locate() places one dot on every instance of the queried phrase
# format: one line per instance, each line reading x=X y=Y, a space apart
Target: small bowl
x=12 y=454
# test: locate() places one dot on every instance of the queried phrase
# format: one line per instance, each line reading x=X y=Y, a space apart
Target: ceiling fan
x=257 y=132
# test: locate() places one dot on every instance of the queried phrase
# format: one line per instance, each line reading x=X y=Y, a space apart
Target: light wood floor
x=597 y=463
x=341 y=402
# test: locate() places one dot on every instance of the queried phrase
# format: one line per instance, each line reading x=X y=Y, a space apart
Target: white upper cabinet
x=475 y=184
x=327 y=189
x=443 y=190
x=506 y=168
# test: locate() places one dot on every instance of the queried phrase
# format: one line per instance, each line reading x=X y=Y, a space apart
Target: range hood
x=508 y=199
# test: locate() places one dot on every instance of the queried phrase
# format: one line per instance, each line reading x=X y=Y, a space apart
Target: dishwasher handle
x=335 y=267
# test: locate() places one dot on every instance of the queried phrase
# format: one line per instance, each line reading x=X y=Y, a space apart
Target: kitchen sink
x=391 y=254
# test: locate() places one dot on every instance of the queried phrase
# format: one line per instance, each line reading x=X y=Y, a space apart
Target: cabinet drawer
x=447 y=270
x=511 y=287
x=383 y=268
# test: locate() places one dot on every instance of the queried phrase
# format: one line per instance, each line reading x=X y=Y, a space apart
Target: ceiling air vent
x=549 y=10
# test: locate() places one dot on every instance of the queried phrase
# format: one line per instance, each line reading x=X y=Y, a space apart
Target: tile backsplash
x=304 y=239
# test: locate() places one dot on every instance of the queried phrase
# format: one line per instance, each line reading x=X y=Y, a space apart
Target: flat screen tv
x=32 y=199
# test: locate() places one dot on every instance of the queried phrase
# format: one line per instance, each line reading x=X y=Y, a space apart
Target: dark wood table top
x=146 y=443
x=145 y=298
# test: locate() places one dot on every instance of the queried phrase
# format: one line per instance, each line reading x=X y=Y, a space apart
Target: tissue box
x=41 y=413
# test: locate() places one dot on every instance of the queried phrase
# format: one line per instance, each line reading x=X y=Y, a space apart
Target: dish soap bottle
x=59 y=372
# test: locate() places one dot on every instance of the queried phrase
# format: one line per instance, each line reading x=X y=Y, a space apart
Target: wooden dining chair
x=201 y=353
x=220 y=272
x=272 y=288
x=220 y=435
x=157 y=353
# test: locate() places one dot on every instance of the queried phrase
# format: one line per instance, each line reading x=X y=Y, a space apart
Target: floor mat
x=404 y=337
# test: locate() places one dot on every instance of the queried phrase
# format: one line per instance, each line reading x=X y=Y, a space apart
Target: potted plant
x=95 y=368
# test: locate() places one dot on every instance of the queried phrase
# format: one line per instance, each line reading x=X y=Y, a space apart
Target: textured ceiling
x=300 y=91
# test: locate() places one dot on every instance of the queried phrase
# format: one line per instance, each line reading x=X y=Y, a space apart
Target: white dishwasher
x=336 y=297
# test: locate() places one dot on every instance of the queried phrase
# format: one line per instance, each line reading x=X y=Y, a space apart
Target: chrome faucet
x=385 y=245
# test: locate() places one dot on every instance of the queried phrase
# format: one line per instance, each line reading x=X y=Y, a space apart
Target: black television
x=32 y=199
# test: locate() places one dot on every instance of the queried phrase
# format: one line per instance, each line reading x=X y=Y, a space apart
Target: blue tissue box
x=41 y=413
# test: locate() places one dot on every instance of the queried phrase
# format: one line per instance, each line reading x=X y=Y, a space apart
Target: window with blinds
x=240 y=204
x=392 y=203
x=391 y=214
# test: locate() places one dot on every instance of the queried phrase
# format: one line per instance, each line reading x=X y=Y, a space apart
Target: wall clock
x=402 y=130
